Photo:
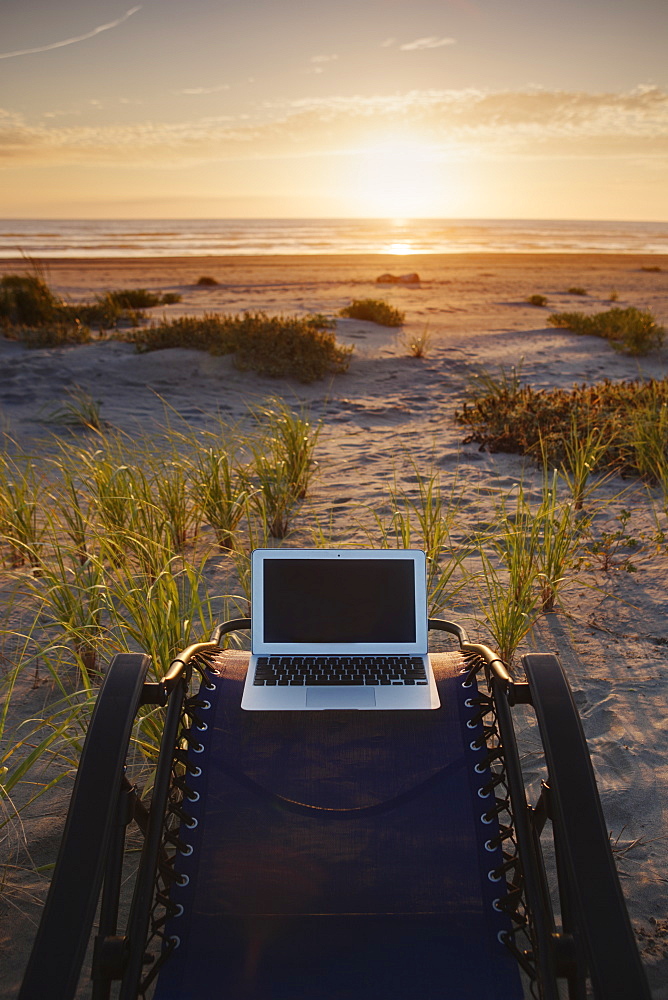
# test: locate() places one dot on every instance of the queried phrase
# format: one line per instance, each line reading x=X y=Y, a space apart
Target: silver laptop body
x=324 y=613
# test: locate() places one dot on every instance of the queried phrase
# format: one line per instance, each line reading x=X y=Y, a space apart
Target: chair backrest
x=344 y=854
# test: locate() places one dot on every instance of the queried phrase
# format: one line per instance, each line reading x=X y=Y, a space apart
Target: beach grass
x=631 y=331
x=274 y=346
x=374 y=311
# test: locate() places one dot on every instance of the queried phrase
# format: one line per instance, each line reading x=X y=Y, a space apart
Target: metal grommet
x=179 y=910
x=490 y=846
x=480 y=768
x=192 y=823
x=182 y=880
x=206 y=705
x=192 y=796
x=210 y=687
x=475 y=745
x=469 y=703
x=467 y=684
x=198 y=748
x=471 y=724
x=502 y=936
x=187 y=850
x=175 y=940
x=486 y=819
x=496 y=904
x=482 y=794
x=201 y=727
x=493 y=876
x=195 y=772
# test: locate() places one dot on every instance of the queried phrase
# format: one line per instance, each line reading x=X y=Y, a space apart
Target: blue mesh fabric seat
x=335 y=855
x=338 y=854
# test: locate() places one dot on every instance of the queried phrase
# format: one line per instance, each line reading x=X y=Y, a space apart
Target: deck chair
x=340 y=855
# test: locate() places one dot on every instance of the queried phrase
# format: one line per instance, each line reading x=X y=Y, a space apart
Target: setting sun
x=398 y=177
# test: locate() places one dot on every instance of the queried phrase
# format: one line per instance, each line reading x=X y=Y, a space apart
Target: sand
x=389 y=410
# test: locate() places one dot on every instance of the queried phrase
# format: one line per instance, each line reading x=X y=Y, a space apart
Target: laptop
x=336 y=629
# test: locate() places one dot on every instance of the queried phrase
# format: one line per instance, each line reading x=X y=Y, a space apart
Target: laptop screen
x=339 y=601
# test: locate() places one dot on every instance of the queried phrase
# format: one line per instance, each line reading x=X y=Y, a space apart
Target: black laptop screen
x=337 y=601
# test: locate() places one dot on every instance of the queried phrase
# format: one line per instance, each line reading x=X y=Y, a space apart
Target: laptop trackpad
x=323 y=697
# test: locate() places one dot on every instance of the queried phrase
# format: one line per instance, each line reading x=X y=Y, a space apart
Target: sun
x=399 y=176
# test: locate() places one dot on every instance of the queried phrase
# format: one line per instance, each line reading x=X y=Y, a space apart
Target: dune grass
x=32 y=313
x=275 y=346
x=631 y=331
x=374 y=311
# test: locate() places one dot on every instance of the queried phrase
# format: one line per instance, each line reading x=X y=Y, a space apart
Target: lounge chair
x=337 y=856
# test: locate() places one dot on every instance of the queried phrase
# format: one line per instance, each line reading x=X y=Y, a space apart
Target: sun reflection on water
x=402 y=249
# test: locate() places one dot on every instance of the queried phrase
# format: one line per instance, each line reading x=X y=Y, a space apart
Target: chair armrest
x=60 y=945
x=592 y=890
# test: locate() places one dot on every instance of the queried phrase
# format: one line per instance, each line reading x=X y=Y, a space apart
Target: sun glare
x=397 y=177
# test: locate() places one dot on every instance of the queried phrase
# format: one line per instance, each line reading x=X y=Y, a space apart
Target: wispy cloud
x=527 y=124
x=196 y=91
x=432 y=42
x=72 y=41
x=319 y=62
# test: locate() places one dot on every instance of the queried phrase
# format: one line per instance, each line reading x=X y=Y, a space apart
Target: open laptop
x=339 y=629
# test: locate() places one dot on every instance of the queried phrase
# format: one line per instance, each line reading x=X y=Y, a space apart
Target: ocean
x=227 y=237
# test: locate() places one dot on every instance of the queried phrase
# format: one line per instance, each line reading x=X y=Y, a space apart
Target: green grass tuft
x=374 y=311
x=632 y=331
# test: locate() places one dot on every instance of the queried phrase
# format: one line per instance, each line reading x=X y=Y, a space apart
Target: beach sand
x=388 y=411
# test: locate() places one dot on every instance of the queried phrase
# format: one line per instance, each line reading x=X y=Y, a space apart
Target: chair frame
x=591 y=944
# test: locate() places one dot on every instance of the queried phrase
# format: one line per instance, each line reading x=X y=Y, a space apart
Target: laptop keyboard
x=299 y=671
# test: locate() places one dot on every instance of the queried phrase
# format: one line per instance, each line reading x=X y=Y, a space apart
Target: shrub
x=632 y=331
x=26 y=300
x=276 y=346
x=373 y=311
x=537 y=300
x=577 y=290
x=503 y=415
x=206 y=281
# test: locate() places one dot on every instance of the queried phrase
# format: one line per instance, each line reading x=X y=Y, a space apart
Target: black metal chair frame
x=582 y=938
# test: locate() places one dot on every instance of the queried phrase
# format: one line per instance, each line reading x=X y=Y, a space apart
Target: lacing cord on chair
x=493 y=791
x=178 y=818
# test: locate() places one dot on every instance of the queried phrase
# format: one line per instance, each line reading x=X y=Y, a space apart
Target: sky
x=524 y=109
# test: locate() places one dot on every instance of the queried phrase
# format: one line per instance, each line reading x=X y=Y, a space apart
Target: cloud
x=72 y=41
x=426 y=43
x=196 y=91
x=318 y=62
x=528 y=124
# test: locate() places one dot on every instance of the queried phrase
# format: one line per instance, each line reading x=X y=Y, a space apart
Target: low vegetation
x=374 y=311
x=629 y=418
x=537 y=300
x=632 y=331
x=32 y=313
x=276 y=346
